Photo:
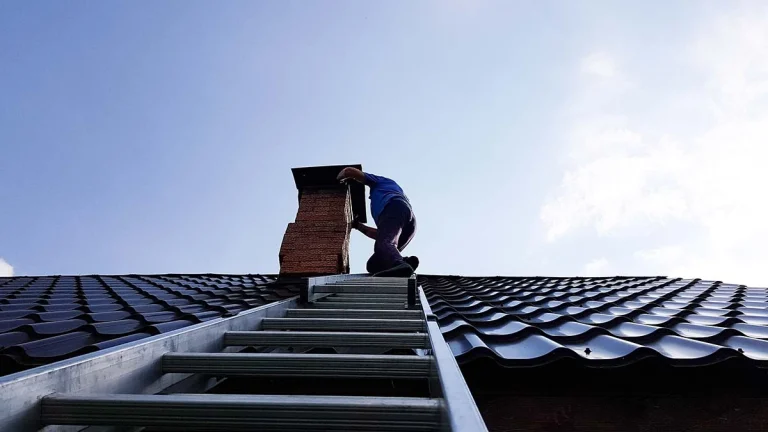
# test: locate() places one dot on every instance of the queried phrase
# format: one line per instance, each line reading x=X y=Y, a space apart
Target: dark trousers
x=395 y=229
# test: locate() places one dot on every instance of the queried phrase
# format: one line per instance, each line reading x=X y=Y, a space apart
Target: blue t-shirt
x=383 y=190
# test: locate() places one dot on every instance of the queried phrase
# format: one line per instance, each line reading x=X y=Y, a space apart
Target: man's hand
x=351 y=173
x=343 y=176
x=369 y=232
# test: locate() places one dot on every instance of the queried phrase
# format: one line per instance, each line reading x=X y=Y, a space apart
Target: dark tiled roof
x=521 y=322
x=51 y=318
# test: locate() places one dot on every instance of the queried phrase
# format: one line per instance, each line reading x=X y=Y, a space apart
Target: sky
x=545 y=138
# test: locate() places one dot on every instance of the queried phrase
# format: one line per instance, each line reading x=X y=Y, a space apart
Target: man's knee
x=374 y=264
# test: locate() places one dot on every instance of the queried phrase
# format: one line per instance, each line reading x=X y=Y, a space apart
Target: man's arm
x=351 y=173
x=369 y=232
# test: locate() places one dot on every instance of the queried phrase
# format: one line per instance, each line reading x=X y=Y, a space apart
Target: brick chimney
x=317 y=243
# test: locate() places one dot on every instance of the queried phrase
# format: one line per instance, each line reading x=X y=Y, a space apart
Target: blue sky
x=533 y=138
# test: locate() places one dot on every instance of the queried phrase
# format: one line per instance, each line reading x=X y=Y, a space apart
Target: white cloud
x=599 y=64
x=5 y=268
x=629 y=175
x=597 y=267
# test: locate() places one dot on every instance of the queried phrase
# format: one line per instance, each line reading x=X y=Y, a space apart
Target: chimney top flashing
x=325 y=177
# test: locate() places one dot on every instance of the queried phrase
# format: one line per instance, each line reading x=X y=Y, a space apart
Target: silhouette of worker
x=395 y=222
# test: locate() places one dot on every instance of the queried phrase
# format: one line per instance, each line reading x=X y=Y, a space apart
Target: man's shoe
x=400 y=270
x=412 y=261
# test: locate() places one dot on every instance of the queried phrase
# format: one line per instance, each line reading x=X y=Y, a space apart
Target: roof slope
x=614 y=321
x=516 y=321
x=51 y=318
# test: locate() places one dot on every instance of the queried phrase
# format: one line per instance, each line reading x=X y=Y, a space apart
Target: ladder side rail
x=460 y=412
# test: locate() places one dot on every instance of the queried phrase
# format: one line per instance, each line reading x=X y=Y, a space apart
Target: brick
x=318 y=241
x=315 y=240
x=339 y=213
x=312 y=237
x=318 y=226
x=297 y=260
x=322 y=199
x=327 y=207
x=322 y=216
x=314 y=255
x=316 y=229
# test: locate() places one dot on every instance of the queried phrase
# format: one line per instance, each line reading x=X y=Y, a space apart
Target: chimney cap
x=325 y=176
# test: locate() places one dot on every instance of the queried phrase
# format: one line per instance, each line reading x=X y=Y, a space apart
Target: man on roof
x=395 y=222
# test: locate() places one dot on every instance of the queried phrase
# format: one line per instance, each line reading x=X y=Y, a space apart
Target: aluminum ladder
x=160 y=384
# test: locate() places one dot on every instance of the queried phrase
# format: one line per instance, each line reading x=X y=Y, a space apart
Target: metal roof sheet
x=609 y=321
x=51 y=318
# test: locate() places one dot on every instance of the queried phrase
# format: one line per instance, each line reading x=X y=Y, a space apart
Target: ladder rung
x=342 y=324
x=244 y=412
x=363 y=298
x=372 y=280
x=354 y=313
x=299 y=365
x=352 y=305
x=361 y=289
x=325 y=339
